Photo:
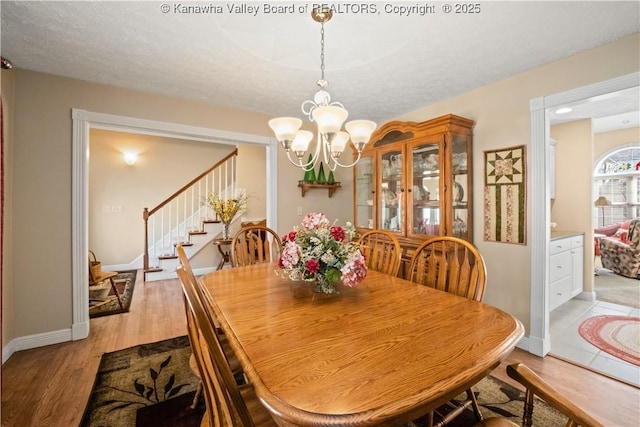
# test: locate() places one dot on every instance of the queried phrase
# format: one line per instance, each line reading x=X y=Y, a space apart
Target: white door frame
x=83 y=122
x=539 y=339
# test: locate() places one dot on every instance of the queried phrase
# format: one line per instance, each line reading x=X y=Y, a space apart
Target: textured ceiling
x=379 y=63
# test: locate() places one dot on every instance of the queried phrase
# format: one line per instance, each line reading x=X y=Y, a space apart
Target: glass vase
x=226 y=231
x=322 y=286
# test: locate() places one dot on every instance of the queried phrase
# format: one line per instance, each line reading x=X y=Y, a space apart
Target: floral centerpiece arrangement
x=322 y=253
x=226 y=209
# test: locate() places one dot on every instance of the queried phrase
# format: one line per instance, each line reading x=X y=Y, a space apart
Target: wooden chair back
x=449 y=264
x=255 y=244
x=381 y=251
x=536 y=386
x=224 y=402
x=184 y=259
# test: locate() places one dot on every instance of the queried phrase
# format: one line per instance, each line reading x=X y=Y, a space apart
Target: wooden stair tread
x=168 y=257
x=193 y=233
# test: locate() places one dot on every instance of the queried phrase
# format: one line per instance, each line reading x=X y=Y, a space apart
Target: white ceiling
x=379 y=65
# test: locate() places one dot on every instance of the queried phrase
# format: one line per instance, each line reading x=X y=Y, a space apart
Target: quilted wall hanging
x=505 y=195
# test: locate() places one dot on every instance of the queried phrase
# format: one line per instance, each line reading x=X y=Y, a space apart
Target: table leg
x=225 y=257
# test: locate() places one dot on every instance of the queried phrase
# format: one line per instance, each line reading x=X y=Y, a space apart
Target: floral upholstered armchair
x=622 y=256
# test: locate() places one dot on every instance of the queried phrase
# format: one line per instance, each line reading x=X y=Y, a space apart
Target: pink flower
x=314 y=220
x=312 y=265
x=337 y=233
x=354 y=270
x=289 y=257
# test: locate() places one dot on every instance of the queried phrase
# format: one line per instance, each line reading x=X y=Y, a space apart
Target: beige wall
x=164 y=165
x=41 y=180
x=573 y=205
x=502 y=115
x=42 y=170
x=607 y=141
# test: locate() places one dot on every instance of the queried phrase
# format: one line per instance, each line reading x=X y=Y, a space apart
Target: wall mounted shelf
x=305 y=186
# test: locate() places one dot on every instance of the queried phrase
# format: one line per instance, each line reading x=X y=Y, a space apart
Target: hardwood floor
x=50 y=386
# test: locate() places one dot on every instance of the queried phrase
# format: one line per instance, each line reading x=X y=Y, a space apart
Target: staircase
x=184 y=218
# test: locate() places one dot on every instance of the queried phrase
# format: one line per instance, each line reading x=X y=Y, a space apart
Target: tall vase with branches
x=227 y=209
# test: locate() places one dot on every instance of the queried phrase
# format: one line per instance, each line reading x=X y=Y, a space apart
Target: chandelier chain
x=322 y=50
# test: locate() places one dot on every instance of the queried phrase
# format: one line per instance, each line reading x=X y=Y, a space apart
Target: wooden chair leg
x=474 y=405
x=197 y=395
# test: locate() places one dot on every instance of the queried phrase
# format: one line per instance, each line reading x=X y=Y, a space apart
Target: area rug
x=125 y=283
x=616 y=335
x=617 y=289
x=152 y=385
x=145 y=385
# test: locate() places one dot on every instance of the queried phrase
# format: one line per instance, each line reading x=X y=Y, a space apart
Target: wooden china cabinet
x=415 y=180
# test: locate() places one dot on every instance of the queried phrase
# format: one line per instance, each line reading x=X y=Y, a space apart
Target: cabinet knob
x=409 y=190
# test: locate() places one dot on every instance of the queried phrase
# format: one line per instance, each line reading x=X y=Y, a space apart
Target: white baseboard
x=539 y=347
x=587 y=296
x=33 y=341
x=523 y=344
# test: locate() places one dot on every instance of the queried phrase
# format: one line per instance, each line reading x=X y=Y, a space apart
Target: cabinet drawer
x=559 y=292
x=560 y=245
x=577 y=241
x=559 y=266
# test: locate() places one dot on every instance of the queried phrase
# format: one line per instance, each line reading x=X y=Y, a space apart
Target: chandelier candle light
x=329 y=117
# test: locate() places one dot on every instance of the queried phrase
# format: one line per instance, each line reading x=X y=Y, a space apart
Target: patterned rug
x=152 y=385
x=125 y=283
x=145 y=385
x=616 y=335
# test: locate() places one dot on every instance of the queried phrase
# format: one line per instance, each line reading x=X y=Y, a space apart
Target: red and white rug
x=616 y=335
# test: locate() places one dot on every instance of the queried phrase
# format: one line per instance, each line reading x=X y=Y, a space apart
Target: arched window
x=616 y=178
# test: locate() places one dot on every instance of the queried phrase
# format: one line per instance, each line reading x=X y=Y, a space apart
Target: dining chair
x=227 y=404
x=536 y=386
x=255 y=244
x=381 y=251
x=452 y=265
x=230 y=356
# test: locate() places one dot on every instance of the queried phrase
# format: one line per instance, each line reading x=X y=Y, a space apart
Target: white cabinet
x=566 y=269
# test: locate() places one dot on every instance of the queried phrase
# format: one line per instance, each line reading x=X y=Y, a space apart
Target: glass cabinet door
x=364 y=179
x=460 y=186
x=425 y=215
x=391 y=197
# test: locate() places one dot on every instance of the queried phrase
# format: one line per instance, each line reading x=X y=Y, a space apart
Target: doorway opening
x=83 y=122
x=542 y=110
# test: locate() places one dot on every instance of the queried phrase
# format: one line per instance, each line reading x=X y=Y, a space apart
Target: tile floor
x=567 y=343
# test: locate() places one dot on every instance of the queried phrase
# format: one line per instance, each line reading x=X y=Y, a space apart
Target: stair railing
x=185 y=211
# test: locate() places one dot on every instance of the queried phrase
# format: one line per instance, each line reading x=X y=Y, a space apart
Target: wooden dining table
x=382 y=353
